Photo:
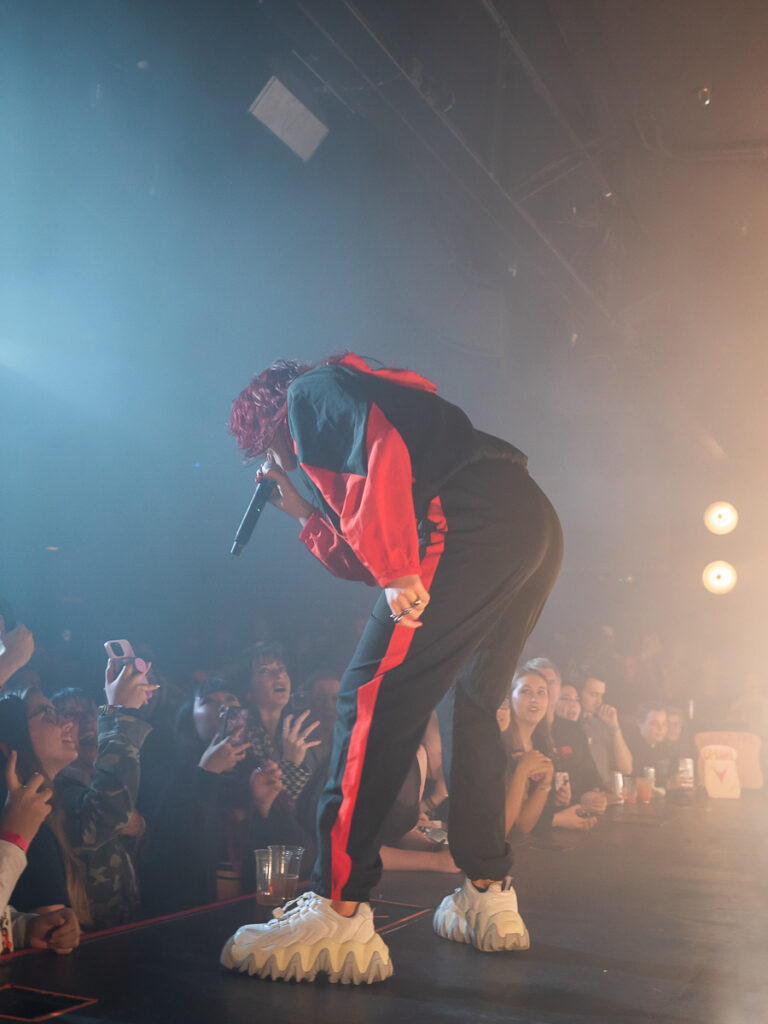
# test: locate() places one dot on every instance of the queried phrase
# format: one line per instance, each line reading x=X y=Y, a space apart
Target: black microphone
x=260 y=498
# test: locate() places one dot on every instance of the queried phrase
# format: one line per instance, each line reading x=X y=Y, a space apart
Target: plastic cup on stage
x=628 y=790
x=265 y=895
x=644 y=787
x=286 y=864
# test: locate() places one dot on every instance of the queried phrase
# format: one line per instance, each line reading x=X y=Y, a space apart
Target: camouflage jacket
x=95 y=813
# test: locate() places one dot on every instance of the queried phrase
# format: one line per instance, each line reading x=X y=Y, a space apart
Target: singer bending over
x=409 y=497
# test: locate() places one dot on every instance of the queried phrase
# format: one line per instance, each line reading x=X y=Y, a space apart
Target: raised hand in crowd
x=595 y=801
x=18 y=646
x=295 y=738
x=57 y=930
x=609 y=715
x=266 y=784
x=129 y=688
x=26 y=807
x=223 y=754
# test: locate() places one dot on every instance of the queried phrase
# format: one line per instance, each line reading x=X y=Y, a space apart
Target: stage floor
x=660 y=914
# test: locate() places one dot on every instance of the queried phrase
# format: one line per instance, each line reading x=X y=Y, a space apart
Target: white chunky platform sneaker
x=308 y=937
x=488 y=920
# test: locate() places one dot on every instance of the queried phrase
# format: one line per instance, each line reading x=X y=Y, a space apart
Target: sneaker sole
x=456 y=929
x=352 y=969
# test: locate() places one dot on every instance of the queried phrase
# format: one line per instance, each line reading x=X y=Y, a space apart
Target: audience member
x=75 y=704
x=411 y=841
x=194 y=828
x=568 y=706
x=572 y=754
x=214 y=810
x=648 y=747
x=678 y=742
x=273 y=734
x=600 y=723
x=97 y=806
x=27 y=805
x=531 y=762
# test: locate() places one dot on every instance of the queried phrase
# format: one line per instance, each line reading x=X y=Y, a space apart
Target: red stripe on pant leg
x=400 y=642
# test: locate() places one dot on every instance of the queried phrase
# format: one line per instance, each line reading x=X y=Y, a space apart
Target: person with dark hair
x=410 y=497
x=600 y=722
x=81 y=859
x=647 y=742
x=572 y=752
x=193 y=828
x=273 y=734
x=534 y=755
x=215 y=809
x=531 y=768
x=27 y=805
x=74 y=704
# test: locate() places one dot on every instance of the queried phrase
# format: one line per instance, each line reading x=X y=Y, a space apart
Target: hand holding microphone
x=285 y=495
x=274 y=485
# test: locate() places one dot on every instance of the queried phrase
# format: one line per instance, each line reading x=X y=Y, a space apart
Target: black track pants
x=491 y=553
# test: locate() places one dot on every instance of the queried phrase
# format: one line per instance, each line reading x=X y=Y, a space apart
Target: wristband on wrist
x=17 y=840
x=541 y=788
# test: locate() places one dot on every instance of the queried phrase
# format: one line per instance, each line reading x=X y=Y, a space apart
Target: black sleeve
x=44 y=882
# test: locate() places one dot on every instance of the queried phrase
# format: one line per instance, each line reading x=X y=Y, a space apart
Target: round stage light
x=721 y=517
x=719 y=577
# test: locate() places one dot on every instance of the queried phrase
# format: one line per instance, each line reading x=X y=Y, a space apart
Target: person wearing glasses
x=78 y=859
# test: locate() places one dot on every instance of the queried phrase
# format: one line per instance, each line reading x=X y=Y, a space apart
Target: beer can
x=685 y=770
x=617 y=784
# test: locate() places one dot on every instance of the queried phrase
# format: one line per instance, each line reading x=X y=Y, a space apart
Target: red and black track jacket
x=376 y=447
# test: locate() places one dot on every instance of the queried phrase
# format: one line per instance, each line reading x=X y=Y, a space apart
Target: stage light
x=288 y=118
x=719 y=577
x=721 y=517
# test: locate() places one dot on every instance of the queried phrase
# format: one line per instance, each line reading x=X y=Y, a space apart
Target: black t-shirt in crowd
x=44 y=881
x=646 y=756
x=573 y=755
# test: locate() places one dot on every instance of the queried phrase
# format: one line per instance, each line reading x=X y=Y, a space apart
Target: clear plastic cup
x=285 y=868
x=629 y=790
x=264 y=880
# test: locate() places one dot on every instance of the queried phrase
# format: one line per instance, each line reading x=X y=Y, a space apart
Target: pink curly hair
x=259 y=411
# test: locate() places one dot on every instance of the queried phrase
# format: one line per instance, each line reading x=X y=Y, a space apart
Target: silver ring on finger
x=396 y=618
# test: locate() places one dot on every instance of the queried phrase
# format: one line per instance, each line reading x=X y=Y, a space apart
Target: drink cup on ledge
x=264 y=880
x=629 y=790
x=686 y=773
x=617 y=785
x=277 y=874
x=644 y=787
